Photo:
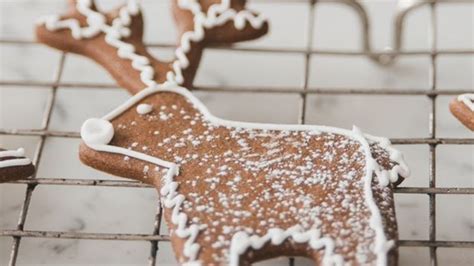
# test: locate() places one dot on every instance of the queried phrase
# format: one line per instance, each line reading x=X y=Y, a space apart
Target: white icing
x=241 y=240
x=144 y=109
x=14 y=162
x=384 y=176
x=218 y=14
x=97 y=131
x=467 y=99
x=9 y=153
x=113 y=33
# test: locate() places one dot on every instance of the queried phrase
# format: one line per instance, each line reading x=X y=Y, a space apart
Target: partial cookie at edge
x=462 y=108
x=14 y=166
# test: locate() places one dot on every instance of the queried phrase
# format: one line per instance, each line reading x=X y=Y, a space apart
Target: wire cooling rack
x=433 y=141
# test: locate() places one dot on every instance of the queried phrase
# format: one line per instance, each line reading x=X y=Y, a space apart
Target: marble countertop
x=132 y=210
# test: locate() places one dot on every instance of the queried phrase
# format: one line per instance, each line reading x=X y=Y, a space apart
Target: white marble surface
x=131 y=210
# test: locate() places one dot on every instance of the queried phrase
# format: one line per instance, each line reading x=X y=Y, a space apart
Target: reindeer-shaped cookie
x=235 y=193
x=115 y=39
x=14 y=165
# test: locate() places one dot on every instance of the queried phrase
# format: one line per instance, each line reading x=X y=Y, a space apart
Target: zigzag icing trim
x=113 y=34
x=97 y=133
x=218 y=14
x=241 y=241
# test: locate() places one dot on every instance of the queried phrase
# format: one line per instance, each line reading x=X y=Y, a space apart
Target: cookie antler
x=212 y=22
x=235 y=193
x=115 y=39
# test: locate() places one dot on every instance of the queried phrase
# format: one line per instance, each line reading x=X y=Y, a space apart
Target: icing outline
x=241 y=241
x=14 y=162
x=202 y=22
x=218 y=14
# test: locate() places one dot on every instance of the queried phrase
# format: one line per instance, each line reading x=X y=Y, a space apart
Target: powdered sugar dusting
x=240 y=182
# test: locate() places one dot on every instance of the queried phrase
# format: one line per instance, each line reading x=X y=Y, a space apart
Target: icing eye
x=144 y=109
x=97 y=131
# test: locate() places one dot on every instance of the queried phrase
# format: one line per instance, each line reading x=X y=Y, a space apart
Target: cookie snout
x=97 y=131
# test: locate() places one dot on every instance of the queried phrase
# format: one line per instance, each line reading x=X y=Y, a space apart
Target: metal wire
x=156 y=237
x=432 y=132
x=30 y=188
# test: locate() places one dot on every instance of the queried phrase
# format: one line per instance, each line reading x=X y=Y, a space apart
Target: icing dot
x=97 y=131
x=144 y=109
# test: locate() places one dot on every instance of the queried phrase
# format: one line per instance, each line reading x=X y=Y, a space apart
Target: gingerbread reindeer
x=115 y=39
x=235 y=193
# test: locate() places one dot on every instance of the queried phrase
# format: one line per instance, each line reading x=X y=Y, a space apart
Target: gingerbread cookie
x=115 y=39
x=14 y=165
x=235 y=193
x=462 y=107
